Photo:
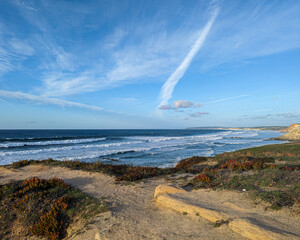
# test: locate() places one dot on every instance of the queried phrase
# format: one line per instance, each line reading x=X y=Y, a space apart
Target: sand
x=135 y=215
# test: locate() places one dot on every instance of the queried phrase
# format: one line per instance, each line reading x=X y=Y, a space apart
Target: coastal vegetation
x=121 y=172
x=270 y=173
x=276 y=185
x=43 y=208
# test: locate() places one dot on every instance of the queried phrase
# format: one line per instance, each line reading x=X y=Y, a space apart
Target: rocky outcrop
x=293 y=133
x=224 y=208
x=252 y=231
x=164 y=197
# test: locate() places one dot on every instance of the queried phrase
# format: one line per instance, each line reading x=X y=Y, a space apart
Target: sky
x=149 y=64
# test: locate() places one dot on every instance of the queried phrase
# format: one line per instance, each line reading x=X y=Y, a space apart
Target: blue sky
x=149 y=64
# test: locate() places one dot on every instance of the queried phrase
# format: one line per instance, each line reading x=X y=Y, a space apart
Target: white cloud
x=257 y=29
x=182 y=104
x=5 y=61
x=143 y=51
x=114 y=39
x=47 y=100
x=21 y=47
x=61 y=84
x=166 y=107
x=169 y=85
x=129 y=99
x=198 y=114
x=146 y=60
x=13 y=51
x=288 y=115
x=276 y=116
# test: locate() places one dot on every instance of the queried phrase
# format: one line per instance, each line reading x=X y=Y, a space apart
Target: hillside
x=293 y=133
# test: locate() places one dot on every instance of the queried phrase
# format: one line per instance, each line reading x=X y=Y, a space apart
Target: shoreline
x=271 y=128
x=168 y=165
x=128 y=194
x=132 y=147
x=113 y=161
x=128 y=167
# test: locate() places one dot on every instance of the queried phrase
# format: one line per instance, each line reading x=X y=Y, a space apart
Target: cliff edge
x=293 y=133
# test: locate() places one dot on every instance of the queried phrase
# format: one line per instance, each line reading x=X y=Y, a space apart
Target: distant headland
x=271 y=128
x=292 y=132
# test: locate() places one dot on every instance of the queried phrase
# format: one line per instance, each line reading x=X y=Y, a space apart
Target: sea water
x=161 y=148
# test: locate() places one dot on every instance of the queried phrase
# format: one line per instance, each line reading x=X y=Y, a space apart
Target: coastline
x=265 y=128
x=128 y=192
x=143 y=147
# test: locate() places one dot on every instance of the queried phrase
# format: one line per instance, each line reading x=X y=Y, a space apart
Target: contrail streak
x=168 y=88
x=225 y=99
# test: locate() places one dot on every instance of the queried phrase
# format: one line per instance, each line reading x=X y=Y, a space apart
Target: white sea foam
x=52 y=142
x=155 y=150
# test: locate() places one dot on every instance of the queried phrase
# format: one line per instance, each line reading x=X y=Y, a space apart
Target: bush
x=203 y=177
x=122 y=172
x=43 y=207
x=245 y=166
x=185 y=164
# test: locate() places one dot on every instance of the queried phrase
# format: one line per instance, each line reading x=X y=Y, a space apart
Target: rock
x=254 y=232
x=164 y=189
x=163 y=199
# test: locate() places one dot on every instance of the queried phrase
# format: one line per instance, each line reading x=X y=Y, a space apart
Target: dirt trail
x=135 y=215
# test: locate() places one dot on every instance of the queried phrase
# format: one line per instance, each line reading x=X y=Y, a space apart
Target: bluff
x=293 y=133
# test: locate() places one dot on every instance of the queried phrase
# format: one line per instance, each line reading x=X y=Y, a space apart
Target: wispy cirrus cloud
x=145 y=53
x=252 y=29
x=140 y=50
x=64 y=83
x=46 y=100
x=13 y=51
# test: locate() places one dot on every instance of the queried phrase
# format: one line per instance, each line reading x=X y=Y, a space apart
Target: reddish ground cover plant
x=203 y=177
x=51 y=223
x=245 y=166
x=122 y=172
x=129 y=177
x=288 y=168
x=137 y=173
x=45 y=207
x=185 y=164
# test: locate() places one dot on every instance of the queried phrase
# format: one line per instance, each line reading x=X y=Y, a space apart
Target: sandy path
x=134 y=214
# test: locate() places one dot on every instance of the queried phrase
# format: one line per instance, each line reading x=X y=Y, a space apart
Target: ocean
x=162 y=148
